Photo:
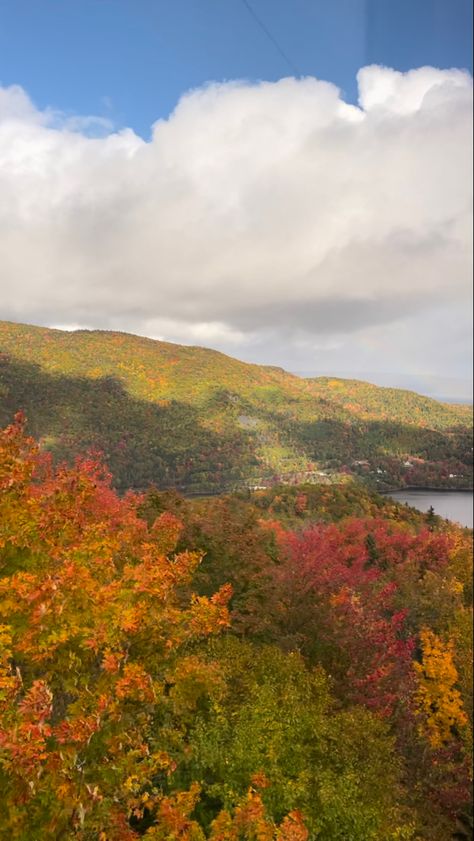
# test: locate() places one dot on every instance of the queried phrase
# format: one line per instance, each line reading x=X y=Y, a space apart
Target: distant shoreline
x=425 y=488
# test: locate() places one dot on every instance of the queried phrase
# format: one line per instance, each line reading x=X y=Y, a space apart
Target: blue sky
x=130 y=60
x=271 y=221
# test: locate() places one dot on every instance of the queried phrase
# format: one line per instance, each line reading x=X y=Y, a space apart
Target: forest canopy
x=294 y=664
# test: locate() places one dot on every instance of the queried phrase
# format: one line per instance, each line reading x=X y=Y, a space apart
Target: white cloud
x=270 y=220
x=405 y=93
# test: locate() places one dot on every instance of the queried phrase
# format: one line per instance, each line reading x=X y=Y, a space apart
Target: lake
x=452 y=505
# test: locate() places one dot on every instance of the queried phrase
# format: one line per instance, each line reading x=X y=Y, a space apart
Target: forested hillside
x=204 y=422
x=290 y=665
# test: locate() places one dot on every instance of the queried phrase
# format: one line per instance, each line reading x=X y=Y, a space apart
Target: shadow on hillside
x=169 y=445
x=371 y=438
x=142 y=442
x=387 y=442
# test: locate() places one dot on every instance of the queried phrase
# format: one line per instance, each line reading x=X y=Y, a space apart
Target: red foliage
x=338 y=601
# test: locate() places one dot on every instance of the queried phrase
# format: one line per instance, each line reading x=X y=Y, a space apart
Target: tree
x=439 y=702
x=272 y=727
x=93 y=638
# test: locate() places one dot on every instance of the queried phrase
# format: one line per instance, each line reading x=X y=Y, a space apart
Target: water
x=452 y=505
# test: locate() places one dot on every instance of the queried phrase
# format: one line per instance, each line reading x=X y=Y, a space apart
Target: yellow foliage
x=439 y=703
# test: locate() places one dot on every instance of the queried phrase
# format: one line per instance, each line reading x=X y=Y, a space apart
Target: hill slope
x=198 y=419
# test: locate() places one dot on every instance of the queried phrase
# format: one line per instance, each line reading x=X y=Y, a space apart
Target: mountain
x=202 y=421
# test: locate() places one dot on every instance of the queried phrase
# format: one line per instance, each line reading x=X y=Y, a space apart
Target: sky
x=284 y=180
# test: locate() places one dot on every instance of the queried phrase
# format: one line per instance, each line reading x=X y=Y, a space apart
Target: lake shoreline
x=425 y=488
x=456 y=506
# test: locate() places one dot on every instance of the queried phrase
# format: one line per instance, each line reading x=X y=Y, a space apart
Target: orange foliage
x=92 y=658
x=88 y=598
x=249 y=822
x=439 y=703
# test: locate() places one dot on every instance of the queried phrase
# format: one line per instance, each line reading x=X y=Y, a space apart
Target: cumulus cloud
x=271 y=220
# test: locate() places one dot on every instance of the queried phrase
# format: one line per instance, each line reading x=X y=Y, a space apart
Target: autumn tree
x=93 y=636
x=272 y=725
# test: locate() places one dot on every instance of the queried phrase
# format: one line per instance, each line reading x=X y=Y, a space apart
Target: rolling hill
x=204 y=422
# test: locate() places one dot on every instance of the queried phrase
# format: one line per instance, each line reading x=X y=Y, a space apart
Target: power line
x=270 y=37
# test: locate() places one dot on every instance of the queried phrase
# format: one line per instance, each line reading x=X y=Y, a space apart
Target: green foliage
x=274 y=715
x=350 y=579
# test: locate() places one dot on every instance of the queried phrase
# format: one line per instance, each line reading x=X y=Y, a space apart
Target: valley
x=211 y=618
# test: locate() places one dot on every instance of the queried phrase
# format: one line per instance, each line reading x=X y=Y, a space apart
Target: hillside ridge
x=198 y=419
x=176 y=346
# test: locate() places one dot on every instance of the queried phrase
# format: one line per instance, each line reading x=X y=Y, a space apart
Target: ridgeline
x=201 y=421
